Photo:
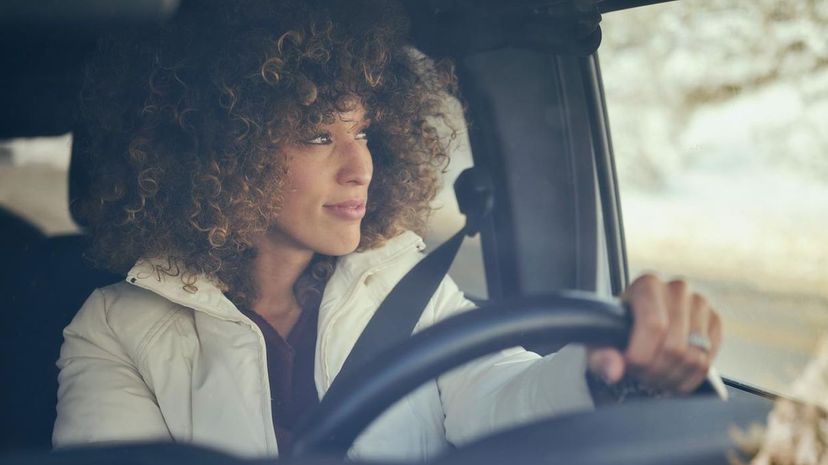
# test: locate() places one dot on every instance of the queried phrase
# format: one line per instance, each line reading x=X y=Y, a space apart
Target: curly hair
x=185 y=124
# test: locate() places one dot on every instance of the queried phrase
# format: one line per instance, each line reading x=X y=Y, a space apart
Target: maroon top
x=290 y=371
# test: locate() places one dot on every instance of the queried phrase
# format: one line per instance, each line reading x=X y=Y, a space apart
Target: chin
x=342 y=244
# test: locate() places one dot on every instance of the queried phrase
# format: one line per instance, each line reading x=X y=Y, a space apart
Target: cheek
x=298 y=202
x=304 y=184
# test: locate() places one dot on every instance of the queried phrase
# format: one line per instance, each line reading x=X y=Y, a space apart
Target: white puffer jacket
x=145 y=359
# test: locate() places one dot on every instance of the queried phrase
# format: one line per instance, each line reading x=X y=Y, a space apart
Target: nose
x=357 y=166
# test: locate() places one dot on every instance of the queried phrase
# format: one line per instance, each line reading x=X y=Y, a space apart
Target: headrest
x=80 y=179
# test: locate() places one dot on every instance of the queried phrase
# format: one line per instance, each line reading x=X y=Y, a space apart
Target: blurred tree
x=664 y=65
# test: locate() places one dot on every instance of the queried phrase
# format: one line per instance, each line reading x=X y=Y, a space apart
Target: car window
x=718 y=112
x=467 y=269
x=34 y=182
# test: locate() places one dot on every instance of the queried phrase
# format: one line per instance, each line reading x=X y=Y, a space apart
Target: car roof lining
x=46 y=61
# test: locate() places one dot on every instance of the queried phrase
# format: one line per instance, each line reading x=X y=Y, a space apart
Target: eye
x=321 y=139
x=362 y=133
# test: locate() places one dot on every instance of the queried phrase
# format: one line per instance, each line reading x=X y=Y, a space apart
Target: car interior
x=537 y=126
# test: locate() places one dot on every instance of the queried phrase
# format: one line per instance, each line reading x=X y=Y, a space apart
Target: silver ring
x=699 y=341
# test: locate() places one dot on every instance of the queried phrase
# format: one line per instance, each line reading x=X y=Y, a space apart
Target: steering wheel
x=364 y=393
x=676 y=432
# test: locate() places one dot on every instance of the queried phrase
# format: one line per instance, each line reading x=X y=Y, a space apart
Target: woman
x=264 y=169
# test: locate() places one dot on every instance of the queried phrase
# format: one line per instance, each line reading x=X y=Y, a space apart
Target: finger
x=650 y=321
x=715 y=332
x=698 y=365
x=699 y=316
x=607 y=363
x=696 y=362
x=669 y=367
x=665 y=371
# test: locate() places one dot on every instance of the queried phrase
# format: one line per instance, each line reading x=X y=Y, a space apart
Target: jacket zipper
x=336 y=314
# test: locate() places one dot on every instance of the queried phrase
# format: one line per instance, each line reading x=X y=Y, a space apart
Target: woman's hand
x=675 y=337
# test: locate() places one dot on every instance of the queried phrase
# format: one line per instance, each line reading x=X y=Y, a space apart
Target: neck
x=276 y=269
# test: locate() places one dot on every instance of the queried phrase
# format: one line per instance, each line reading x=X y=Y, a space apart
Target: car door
x=540 y=124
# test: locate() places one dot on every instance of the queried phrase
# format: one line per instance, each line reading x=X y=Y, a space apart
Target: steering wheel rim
x=364 y=393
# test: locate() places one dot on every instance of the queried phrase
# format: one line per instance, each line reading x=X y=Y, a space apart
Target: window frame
x=608 y=184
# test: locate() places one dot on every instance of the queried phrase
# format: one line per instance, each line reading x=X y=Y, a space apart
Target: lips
x=348 y=210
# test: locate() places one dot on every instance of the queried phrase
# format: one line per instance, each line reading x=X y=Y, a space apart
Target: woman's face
x=327 y=188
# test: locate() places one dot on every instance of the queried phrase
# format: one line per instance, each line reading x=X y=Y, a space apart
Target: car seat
x=17 y=237
x=49 y=281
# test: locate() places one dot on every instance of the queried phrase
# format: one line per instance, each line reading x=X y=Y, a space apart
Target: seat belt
x=394 y=320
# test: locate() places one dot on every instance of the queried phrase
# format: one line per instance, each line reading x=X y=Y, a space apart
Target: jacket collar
x=353 y=265
x=163 y=277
